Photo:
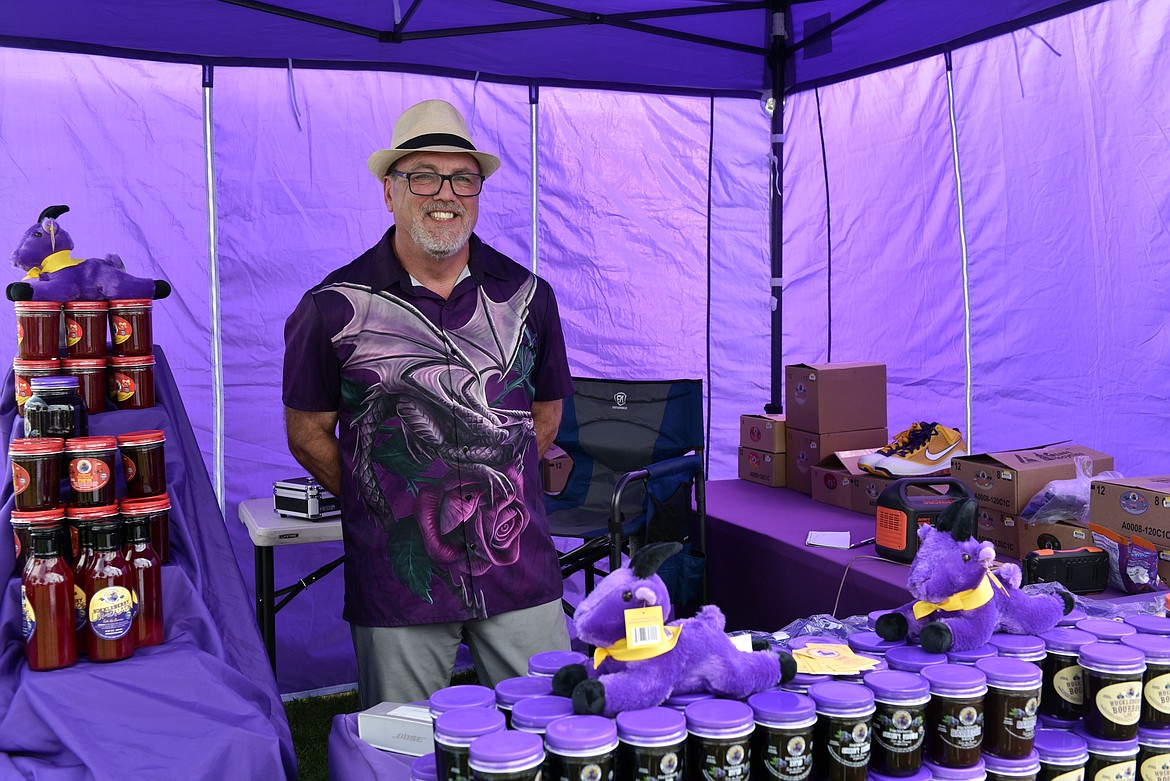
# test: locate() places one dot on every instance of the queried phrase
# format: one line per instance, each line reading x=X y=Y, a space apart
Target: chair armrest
x=689 y=465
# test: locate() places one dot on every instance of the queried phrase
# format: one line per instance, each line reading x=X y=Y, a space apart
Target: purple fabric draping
x=352 y=759
x=202 y=705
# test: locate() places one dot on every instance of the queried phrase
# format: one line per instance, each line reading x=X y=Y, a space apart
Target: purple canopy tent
x=974 y=193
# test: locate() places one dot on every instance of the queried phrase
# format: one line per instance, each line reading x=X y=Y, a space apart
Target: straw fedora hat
x=430 y=126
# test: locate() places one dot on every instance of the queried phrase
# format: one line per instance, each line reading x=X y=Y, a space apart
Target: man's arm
x=312 y=439
x=546 y=417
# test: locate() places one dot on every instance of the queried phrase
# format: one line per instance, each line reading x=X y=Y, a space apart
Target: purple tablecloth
x=204 y=705
x=352 y=759
x=763 y=576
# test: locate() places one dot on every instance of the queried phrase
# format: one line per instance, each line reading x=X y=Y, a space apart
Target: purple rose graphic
x=492 y=522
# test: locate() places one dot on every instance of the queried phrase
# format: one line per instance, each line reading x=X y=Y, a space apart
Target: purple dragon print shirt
x=442 y=506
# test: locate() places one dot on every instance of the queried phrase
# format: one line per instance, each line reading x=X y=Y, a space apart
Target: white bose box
x=405 y=729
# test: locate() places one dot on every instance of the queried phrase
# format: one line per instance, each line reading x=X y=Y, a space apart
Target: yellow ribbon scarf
x=55 y=262
x=964 y=600
x=621 y=653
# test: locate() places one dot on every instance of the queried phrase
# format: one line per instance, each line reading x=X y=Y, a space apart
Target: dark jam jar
x=1147 y=624
x=158 y=510
x=546 y=663
x=85 y=329
x=24 y=371
x=55 y=409
x=841 y=741
x=38 y=330
x=1155 y=680
x=954 y=717
x=36 y=472
x=1113 y=689
x=1013 y=698
x=680 y=701
x=1023 y=769
x=511 y=690
x=507 y=756
x=1026 y=647
x=1109 y=760
x=868 y=642
x=1062 y=755
x=1105 y=630
x=22 y=525
x=651 y=744
x=454 y=731
x=91 y=470
x=130 y=328
x=719 y=739
x=144 y=463
x=899 y=723
x=91 y=381
x=976 y=772
x=461 y=696
x=46 y=596
x=912 y=658
x=973 y=655
x=1153 y=762
x=423 y=769
x=1063 y=695
x=581 y=747
x=782 y=746
x=130 y=381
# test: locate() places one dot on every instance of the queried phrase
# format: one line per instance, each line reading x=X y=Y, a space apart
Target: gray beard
x=436 y=247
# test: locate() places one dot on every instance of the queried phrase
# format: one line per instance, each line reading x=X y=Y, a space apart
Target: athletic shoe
x=868 y=462
x=928 y=454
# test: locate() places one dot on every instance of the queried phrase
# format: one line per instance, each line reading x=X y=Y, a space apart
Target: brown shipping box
x=866 y=490
x=555 y=466
x=1007 y=481
x=762 y=432
x=1013 y=539
x=805 y=450
x=1133 y=505
x=824 y=398
x=762 y=467
x=833 y=478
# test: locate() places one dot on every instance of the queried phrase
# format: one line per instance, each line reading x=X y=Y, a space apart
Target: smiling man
x=422 y=382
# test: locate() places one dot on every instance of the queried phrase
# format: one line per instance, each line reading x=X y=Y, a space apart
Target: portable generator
x=899 y=512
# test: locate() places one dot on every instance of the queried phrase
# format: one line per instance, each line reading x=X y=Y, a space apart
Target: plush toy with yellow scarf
x=640 y=660
x=52 y=273
x=961 y=598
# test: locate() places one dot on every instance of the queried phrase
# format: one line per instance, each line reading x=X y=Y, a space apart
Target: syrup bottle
x=80 y=595
x=146 y=570
x=46 y=595
x=110 y=588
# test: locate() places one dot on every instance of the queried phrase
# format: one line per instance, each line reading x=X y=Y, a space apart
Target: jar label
x=1121 y=703
x=79 y=614
x=1157 y=692
x=20 y=481
x=28 y=617
x=19 y=332
x=850 y=747
x=73 y=331
x=122 y=386
x=23 y=390
x=111 y=612
x=120 y=329
x=16 y=537
x=1069 y=684
x=1021 y=722
x=1156 y=768
x=901 y=731
x=87 y=475
x=1072 y=775
x=790 y=762
x=129 y=468
x=725 y=762
x=1122 y=771
x=964 y=731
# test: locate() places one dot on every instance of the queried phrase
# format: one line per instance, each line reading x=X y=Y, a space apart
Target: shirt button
x=471 y=546
x=467 y=497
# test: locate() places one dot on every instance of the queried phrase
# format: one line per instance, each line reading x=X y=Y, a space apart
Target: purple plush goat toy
x=960 y=600
x=53 y=274
x=696 y=657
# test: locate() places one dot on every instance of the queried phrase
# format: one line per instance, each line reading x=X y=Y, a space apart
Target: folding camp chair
x=637 y=458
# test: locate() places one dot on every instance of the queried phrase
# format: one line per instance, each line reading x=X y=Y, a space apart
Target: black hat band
x=437 y=139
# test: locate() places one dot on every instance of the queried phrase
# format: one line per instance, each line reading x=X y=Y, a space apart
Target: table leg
x=265 y=610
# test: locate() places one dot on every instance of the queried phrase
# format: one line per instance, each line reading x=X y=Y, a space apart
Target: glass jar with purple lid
x=1013 y=698
x=55 y=409
x=534 y=714
x=1073 y=617
x=507 y=756
x=1109 y=760
x=680 y=701
x=1062 y=696
x=546 y=663
x=461 y=696
x=1001 y=769
x=1153 y=762
x=975 y=772
x=454 y=732
x=973 y=655
x=912 y=658
x=423 y=769
x=651 y=744
x=1027 y=647
x=783 y=740
x=804 y=641
x=1148 y=624
x=871 y=643
x=719 y=739
x=511 y=690
x=1051 y=722
x=859 y=677
x=842 y=739
x=1062 y=755
x=954 y=716
x=1105 y=630
x=581 y=747
x=922 y=775
x=801 y=682
x=1155 y=680
x=1113 y=689
x=899 y=723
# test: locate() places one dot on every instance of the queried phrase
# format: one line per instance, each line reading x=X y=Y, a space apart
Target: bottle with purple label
x=842 y=739
x=954 y=716
x=782 y=746
x=899 y=723
x=719 y=739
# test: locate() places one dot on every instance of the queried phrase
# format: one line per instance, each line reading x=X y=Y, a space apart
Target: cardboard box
x=1014 y=539
x=805 y=450
x=762 y=467
x=762 y=432
x=555 y=466
x=833 y=478
x=1007 y=481
x=866 y=490
x=830 y=397
x=1133 y=505
x=405 y=729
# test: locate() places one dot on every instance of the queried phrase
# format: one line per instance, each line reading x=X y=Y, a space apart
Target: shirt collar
x=482 y=260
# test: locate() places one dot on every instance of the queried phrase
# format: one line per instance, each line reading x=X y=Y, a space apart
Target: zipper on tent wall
x=533 y=119
x=963 y=247
x=707 y=383
x=828 y=236
x=213 y=293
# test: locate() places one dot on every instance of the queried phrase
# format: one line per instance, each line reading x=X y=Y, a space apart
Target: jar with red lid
x=91 y=470
x=38 y=330
x=22 y=524
x=91 y=381
x=144 y=462
x=36 y=472
x=158 y=510
x=130 y=381
x=130 y=328
x=24 y=371
x=85 y=329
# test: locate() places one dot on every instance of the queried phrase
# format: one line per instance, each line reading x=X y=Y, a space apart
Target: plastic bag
x=1133 y=562
x=1065 y=500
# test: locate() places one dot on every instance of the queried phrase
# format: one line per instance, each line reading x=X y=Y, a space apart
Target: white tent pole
x=963 y=246
x=534 y=117
x=213 y=293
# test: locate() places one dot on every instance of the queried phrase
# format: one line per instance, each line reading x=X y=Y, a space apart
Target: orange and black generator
x=906 y=503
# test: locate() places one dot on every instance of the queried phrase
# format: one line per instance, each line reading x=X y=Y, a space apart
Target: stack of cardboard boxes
x=761 y=449
x=1136 y=506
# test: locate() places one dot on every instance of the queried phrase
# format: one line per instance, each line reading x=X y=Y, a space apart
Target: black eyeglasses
x=430 y=183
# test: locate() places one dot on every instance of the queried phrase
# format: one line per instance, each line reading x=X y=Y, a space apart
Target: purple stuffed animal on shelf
x=695 y=655
x=961 y=600
x=53 y=274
